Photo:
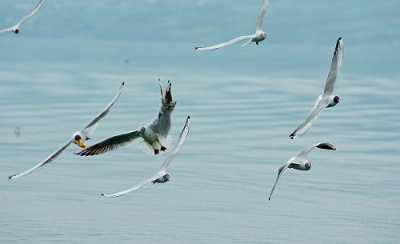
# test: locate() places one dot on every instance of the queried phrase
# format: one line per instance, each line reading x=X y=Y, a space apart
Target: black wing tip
x=11 y=177
x=292 y=136
x=123 y=83
x=102 y=194
x=188 y=117
x=197 y=48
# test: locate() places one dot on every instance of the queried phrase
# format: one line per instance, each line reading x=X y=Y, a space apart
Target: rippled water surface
x=243 y=102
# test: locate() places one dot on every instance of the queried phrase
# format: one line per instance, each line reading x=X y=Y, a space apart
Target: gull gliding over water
x=257 y=37
x=326 y=100
x=16 y=28
x=153 y=134
x=162 y=175
x=300 y=162
x=78 y=137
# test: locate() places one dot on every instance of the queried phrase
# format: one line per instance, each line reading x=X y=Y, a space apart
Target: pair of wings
x=87 y=130
x=164 y=167
x=323 y=100
x=301 y=156
x=26 y=17
x=259 y=25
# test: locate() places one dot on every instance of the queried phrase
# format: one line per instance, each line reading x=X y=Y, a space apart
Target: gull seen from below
x=78 y=137
x=152 y=134
x=16 y=28
x=300 y=162
x=162 y=175
x=257 y=37
x=326 y=100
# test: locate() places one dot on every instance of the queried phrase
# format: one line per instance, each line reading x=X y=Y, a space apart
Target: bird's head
x=79 y=140
x=326 y=146
x=335 y=100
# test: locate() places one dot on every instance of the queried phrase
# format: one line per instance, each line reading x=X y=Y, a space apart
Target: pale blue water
x=244 y=103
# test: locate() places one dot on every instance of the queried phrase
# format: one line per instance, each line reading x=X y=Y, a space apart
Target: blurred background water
x=68 y=61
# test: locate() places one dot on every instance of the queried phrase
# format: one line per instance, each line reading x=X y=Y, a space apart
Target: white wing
x=48 y=160
x=6 y=30
x=261 y=15
x=335 y=66
x=182 y=137
x=135 y=188
x=319 y=105
x=32 y=13
x=89 y=129
x=225 y=44
x=281 y=170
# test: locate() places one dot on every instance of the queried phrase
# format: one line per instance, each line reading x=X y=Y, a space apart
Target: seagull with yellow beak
x=79 y=138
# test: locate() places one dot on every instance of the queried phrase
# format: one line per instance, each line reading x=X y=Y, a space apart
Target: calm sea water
x=219 y=181
x=244 y=103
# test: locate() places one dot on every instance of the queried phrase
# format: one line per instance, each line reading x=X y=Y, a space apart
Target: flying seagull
x=300 y=161
x=78 y=137
x=257 y=37
x=16 y=28
x=327 y=99
x=153 y=134
x=162 y=175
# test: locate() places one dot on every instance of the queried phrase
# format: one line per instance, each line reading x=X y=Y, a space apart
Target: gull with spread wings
x=162 y=175
x=300 y=162
x=327 y=99
x=16 y=28
x=152 y=134
x=79 y=138
x=257 y=37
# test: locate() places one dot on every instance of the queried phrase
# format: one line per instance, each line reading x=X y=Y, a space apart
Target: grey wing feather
x=335 y=67
x=49 y=159
x=106 y=109
x=316 y=110
x=33 y=12
x=135 y=188
x=110 y=144
x=261 y=15
x=181 y=140
x=281 y=170
x=225 y=44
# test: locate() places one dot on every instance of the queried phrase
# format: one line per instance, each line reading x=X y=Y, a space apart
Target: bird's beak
x=80 y=143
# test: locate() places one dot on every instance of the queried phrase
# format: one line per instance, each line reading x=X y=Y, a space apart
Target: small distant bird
x=16 y=28
x=326 y=100
x=78 y=137
x=17 y=131
x=162 y=175
x=300 y=162
x=153 y=134
x=257 y=37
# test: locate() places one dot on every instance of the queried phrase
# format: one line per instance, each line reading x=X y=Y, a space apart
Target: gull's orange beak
x=80 y=143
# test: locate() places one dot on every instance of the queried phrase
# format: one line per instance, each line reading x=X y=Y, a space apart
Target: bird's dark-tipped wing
x=110 y=144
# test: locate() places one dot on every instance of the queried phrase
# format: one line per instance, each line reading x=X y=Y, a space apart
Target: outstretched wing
x=6 y=30
x=41 y=164
x=110 y=144
x=135 y=188
x=182 y=137
x=225 y=44
x=32 y=13
x=335 y=67
x=261 y=15
x=89 y=129
x=281 y=170
x=320 y=104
